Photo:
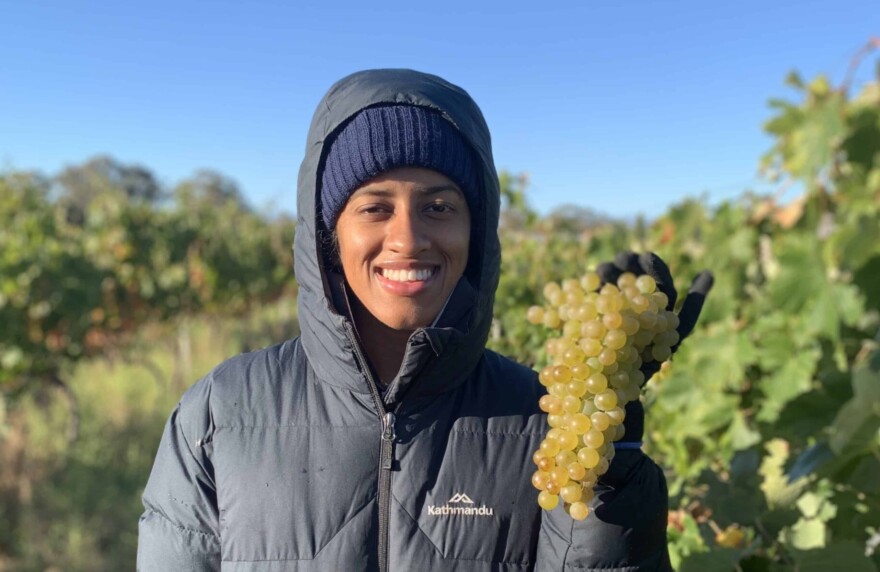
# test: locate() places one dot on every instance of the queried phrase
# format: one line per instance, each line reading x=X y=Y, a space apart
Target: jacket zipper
x=386 y=451
x=386 y=459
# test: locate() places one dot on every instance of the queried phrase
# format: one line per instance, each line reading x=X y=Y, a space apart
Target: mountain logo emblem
x=460 y=497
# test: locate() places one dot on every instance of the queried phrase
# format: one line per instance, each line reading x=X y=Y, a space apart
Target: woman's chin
x=407 y=322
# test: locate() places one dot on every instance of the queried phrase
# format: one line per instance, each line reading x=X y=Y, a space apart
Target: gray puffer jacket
x=290 y=459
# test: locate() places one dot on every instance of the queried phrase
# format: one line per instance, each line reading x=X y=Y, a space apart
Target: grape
x=565 y=458
x=583 y=312
x=540 y=479
x=577 y=471
x=573 y=356
x=571 y=493
x=588 y=457
x=546 y=376
x=547 y=500
x=617 y=415
x=629 y=324
x=580 y=371
x=606 y=400
x=570 y=285
x=661 y=353
x=615 y=339
x=644 y=283
x=549 y=447
x=590 y=346
x=550 y=404
x=593 y=329
x=578 y=510
x=612 y=320
x=602 y=334
x=639 y=303
x=567 y=441
x=580 y=423
x=590 y=282
x=626 y=279
x=661 y=299
x=596 y=383
x=535 y=315
x=618 y=379
x=572 y=404
x=594 y=438
x=570 y=328
x=647 y=320
x=577 y=387
x=559 y=475
x=574 y=297
x=600 y=420
x=561 y=374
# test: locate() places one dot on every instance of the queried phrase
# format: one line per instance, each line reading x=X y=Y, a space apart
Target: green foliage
x=781 y=379
x=74 y=505
x=90 y=257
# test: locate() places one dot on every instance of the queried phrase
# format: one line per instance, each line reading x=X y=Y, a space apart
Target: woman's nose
x=406 y=234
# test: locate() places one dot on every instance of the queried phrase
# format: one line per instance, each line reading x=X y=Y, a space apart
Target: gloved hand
x=651 y=264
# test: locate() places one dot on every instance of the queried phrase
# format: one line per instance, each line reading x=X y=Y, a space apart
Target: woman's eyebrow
x=433 y=190
x=437 y=189
x=373 y=192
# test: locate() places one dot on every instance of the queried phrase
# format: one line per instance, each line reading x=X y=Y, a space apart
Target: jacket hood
x=438 y=358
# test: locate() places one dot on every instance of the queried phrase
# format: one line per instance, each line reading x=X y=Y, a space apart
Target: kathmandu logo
x=460 y=499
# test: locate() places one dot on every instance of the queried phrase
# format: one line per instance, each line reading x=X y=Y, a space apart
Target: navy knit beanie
x=379 y=139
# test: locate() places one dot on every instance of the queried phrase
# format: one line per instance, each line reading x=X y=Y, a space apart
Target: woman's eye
x=373 y=209
x=440 y=208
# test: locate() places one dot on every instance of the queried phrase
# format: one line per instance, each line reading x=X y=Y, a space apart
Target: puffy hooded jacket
x=291 y=459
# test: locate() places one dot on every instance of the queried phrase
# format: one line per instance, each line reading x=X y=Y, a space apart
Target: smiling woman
x=385 y=437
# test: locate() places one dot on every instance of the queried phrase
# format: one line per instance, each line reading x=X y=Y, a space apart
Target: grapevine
x=606 y=333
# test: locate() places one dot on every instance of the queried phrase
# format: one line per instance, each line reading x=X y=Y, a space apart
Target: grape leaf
x=810 y=461
x=791 y=380
x=864 y=475
x=720 y=559
x=807 y=533
x=858 y=421
x=779 y=490
x=846 y=555
x=804 y=416
x=833 y=305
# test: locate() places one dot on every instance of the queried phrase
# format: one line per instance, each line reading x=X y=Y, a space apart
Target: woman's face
x=403 y=243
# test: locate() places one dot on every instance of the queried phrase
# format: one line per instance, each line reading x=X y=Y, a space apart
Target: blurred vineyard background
x=116 y=293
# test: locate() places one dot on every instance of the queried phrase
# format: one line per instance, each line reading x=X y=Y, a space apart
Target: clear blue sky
x=619 y=106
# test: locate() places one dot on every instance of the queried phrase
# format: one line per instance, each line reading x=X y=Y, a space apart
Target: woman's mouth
x=412 y=275
x=407 y=281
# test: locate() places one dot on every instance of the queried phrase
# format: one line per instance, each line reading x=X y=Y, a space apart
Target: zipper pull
x=388 y=427
x=388 y=441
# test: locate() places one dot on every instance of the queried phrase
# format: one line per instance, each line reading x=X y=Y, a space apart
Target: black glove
x=652 y=265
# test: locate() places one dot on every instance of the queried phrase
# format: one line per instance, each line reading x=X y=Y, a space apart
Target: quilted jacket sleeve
x=179 y=528
x=626 y=528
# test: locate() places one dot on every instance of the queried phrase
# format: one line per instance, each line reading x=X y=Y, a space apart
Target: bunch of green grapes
x=605 y=335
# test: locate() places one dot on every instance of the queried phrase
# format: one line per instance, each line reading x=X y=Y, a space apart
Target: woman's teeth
x=407 y=275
